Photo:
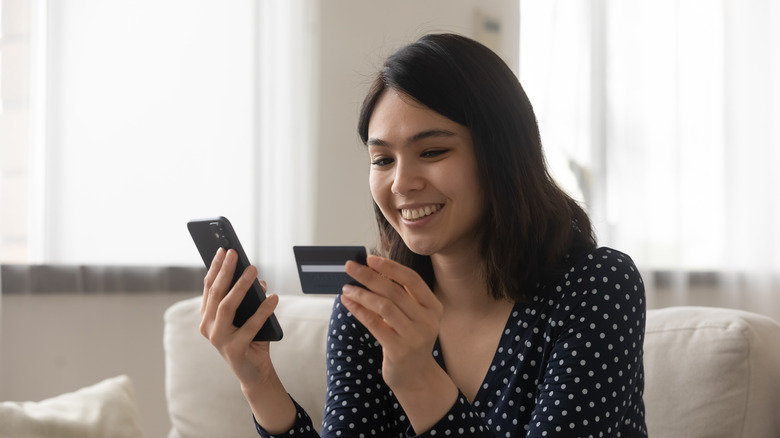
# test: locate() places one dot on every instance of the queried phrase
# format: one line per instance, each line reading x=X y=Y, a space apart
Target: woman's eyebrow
x=373 y=141
x=430 y=133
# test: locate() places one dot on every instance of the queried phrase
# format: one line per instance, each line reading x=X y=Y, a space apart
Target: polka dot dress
x=569 y=364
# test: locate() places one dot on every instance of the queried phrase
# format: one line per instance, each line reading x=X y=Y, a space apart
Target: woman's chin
x=421 y=248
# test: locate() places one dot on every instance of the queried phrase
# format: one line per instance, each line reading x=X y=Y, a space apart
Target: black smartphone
x=209 y=235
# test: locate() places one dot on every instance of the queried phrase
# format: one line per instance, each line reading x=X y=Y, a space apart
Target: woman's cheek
x=380 y=191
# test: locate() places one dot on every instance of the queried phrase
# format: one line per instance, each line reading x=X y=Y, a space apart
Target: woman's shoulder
x=598 y=272
x=602 y=259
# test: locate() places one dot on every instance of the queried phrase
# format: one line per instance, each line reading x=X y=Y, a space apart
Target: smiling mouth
x=419 y=213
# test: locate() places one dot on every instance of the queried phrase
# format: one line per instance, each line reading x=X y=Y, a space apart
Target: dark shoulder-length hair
x=530 y=226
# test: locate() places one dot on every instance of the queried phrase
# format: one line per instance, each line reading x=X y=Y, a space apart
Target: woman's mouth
x=413 y=214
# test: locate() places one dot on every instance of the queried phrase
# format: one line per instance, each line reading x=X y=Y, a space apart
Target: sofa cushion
x=204 y=397
x=711 y=372
x=106 y=409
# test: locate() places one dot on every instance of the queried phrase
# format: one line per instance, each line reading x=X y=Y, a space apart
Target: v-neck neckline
x=439 y=355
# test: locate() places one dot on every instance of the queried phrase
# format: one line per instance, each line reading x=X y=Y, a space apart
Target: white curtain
x=286 y=77
x=669 y=110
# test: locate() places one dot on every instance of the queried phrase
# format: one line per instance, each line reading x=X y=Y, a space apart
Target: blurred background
x=121 y=120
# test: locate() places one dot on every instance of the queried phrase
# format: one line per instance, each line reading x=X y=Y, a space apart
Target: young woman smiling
x=489 y=310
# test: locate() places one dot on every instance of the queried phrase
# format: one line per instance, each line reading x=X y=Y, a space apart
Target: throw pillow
x=107 y=410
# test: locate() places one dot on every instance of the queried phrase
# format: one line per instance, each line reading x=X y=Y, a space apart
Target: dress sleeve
x=301 y=428
x=461 y=421
x=357 y=401
x=594 y=373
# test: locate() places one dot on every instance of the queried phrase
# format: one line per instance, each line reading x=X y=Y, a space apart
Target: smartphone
x=209 y=235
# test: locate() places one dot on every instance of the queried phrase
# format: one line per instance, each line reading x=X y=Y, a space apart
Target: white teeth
x=418 y=213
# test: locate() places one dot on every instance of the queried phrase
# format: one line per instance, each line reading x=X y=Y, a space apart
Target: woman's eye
x=379 y=162
x=433 y=153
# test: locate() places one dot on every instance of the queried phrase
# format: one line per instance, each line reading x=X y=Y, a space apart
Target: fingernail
x=374 y=260
x=348 y=290
x=249 y=274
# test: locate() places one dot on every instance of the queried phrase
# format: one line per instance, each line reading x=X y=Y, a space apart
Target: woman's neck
x=460 y=282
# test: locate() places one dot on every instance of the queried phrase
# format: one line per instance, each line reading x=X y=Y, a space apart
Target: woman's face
x=424 y=176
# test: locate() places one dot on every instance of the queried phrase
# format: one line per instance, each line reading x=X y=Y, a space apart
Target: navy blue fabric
x=569 y=364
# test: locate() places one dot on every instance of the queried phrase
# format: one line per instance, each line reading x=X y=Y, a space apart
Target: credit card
x=321 y=268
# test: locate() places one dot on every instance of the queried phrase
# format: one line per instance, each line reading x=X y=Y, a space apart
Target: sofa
x=709 y=372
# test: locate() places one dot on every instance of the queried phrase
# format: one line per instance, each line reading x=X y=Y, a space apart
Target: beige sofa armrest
x=711 y=372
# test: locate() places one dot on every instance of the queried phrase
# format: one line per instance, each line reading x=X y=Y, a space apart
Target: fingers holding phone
x=249 y=359
x=210 y=300
x=222 y=295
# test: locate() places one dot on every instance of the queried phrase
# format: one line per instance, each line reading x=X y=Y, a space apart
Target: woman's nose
x=408 y=178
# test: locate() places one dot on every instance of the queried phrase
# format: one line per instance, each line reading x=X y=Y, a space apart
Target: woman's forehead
x=397 y=116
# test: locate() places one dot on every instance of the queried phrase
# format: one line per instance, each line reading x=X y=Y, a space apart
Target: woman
x=490 y=312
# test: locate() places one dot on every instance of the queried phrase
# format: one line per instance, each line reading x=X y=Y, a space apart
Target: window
x=138 y=129
x=16 y=137
x=140 y=120
x=668 y=109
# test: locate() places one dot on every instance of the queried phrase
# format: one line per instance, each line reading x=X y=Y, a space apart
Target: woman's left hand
x=402 y=313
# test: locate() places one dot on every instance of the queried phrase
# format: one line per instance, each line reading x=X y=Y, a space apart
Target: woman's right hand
x=249 y=360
